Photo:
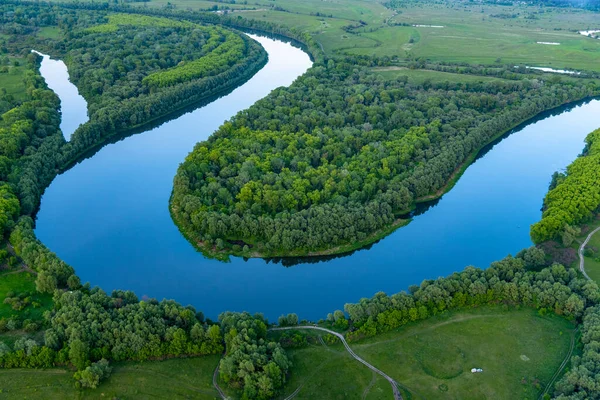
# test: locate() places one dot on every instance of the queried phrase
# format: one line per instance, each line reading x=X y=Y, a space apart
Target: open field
x=470 y=32
x=174 y=379
x=592 y=262
x=329 y=372
x=418 y=76
x=518 y=350
x=12 y=80
x=20 y=282
x=49 y=32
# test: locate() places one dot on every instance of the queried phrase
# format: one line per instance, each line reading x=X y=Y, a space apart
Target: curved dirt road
x=397 y=395
x=581 y=249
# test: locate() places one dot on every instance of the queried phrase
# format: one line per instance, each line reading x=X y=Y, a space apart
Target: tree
x=78 y=354
x=93 y=375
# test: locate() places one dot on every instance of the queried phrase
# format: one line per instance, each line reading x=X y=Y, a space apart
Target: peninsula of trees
x=333 y=162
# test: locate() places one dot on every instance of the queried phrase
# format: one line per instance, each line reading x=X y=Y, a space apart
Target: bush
x=93 y=375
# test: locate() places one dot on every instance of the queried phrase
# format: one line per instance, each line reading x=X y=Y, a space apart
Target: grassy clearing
x=418 y=76
x=174 y=379
x=20 y=282
x=433 y=358
x=12 y=81
x=477 y=34
x=329 y=372
x=49 y=32
x=592 y=262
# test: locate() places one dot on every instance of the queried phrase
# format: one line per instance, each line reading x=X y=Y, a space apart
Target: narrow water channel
x=72 y=105
x=108 y=216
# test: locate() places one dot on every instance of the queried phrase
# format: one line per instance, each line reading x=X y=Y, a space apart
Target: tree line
x=512 y=281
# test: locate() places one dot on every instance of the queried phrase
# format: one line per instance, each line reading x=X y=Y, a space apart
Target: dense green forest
x=341 y=154
x=574 y=196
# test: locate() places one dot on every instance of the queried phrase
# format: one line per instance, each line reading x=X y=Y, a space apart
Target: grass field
x=12 y=81
x=418 y=76
x=471 y=32
x=329 y=372
x=592 y=263
x=19 y=282
x=518 y=350
x=173 y=379
x=49 y=32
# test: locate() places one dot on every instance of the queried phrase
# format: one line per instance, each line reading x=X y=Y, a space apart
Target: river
x=73 y=106
x=108 y=215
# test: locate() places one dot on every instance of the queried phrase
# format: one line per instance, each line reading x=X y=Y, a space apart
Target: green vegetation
x=429 y=339
x=421 y=76
x=437 y=355
x=580 y=382
x=335 y=159
x=253 y=364
x=49 y=32
x=186 y=378
x=12 y=82
x=473 y=32
x=86 y=328
x=324 y=369
x=592 y=250
x=27 y=303
x=116 y=21
x=574 y=196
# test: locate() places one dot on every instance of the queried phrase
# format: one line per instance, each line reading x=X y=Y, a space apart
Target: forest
x=341 y=155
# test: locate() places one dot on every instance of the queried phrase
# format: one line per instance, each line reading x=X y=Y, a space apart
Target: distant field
x=471 y=32
x=433 y=358
x=173 y=379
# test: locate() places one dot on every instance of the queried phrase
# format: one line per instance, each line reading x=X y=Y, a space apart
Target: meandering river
x=108 y=216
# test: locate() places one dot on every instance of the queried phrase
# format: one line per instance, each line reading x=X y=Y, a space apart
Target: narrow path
x=397 y=395
x=581 y=249
x=562 y=365
x=216 y=384
x=291 y=396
